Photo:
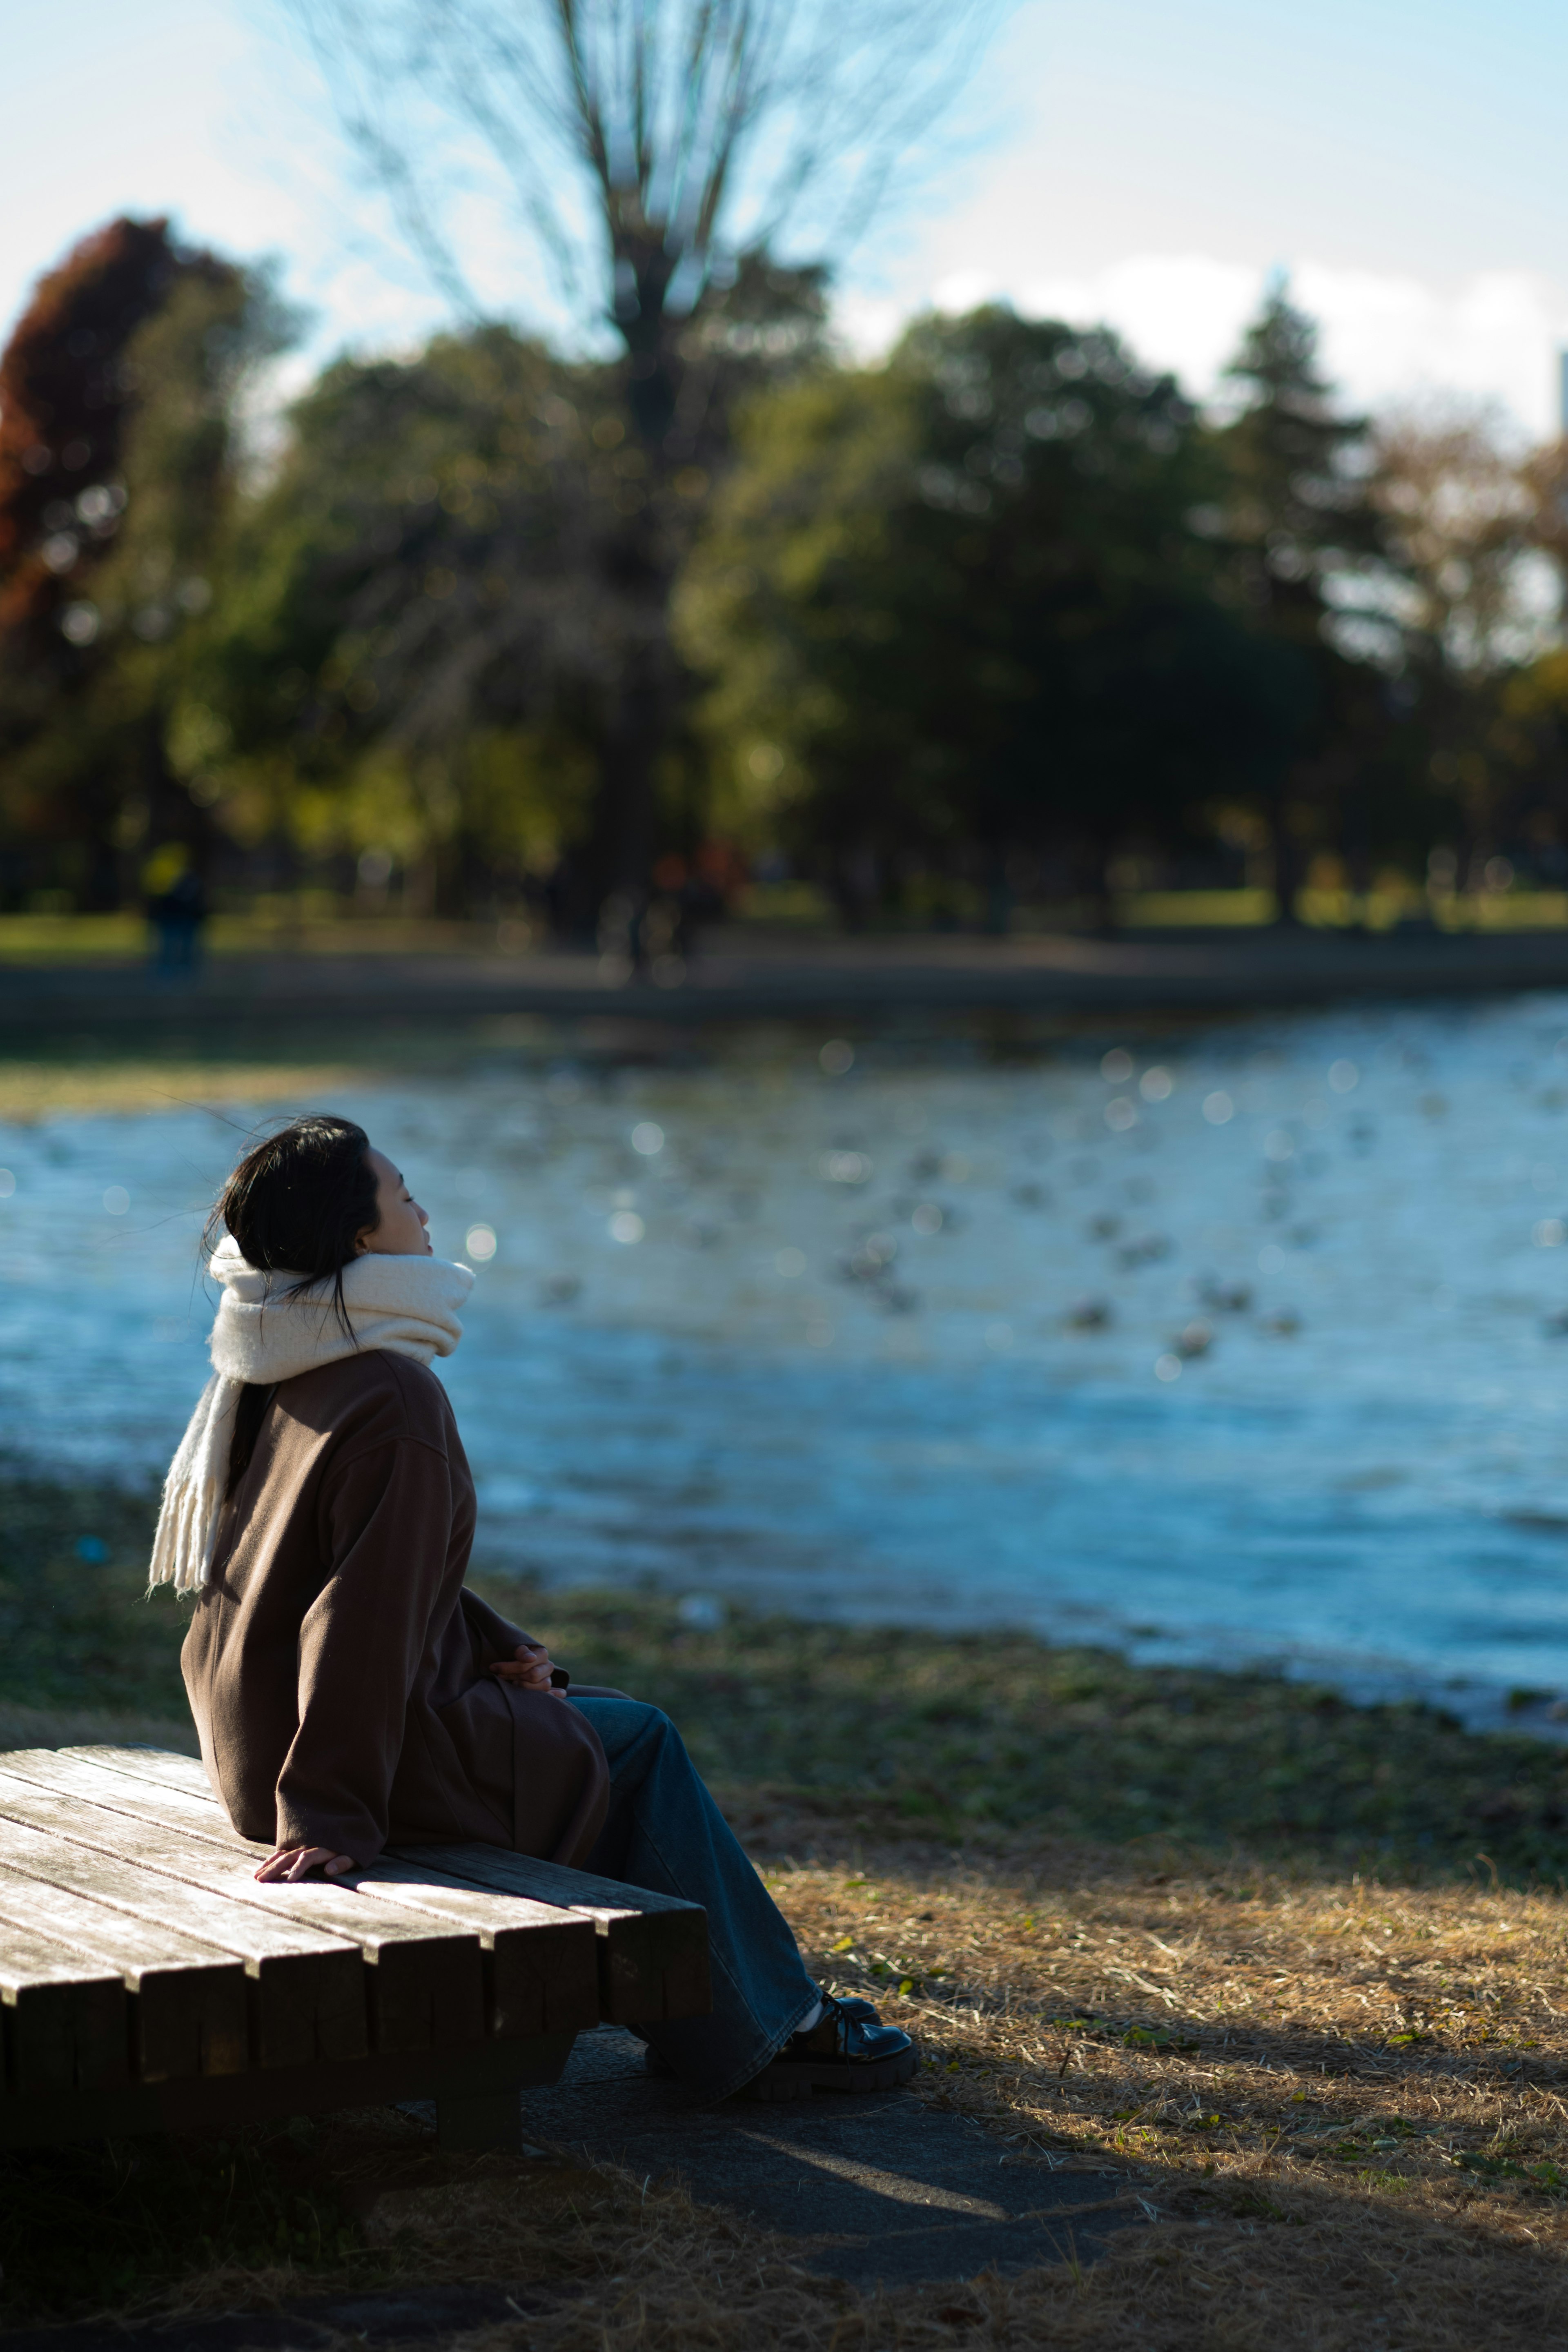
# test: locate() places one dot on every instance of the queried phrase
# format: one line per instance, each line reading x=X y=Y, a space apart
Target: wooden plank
x=653 y=1949
x=192 y=2104
x=164 y=1765
x=542 y=1971
x=306 y=1998
x=64 y=2017
x=100 y=1782
x=188 y=2014
x=426 y=1989
x=542 y=1975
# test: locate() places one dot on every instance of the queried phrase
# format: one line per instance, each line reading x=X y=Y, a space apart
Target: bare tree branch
x=659 y=152
x=645 y=140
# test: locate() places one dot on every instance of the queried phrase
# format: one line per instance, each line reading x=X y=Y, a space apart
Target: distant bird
x=1195 y=1340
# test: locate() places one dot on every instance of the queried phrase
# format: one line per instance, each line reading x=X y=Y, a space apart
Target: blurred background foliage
x=1001 y=627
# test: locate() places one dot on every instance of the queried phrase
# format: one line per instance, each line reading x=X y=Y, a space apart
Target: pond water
x=1245 y=1342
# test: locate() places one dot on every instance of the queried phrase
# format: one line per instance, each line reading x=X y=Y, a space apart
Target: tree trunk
x=617 y=858
x=1290 y=869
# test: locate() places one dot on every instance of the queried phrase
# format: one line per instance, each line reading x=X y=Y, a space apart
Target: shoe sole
x=800 y=2078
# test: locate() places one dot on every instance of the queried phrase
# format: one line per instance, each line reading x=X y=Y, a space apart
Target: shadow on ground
x=878 y=2190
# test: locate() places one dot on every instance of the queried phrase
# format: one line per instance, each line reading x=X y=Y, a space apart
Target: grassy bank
x=891 y=1733
x=1227 y=1934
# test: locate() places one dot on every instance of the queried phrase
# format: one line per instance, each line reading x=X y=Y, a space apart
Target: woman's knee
x=628 y=1729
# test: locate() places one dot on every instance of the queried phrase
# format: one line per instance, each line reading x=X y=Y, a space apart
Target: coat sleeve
x=496 y=1637
x=386 y=1523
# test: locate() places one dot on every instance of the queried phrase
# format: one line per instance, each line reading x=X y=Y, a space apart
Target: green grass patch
x=909 y=1731
x=953 y=1735
x=76 y=1630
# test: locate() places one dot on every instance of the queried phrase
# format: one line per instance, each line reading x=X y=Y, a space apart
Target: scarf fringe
x=187 y=1537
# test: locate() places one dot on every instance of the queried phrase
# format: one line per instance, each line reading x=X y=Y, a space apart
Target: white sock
x=807 y=2023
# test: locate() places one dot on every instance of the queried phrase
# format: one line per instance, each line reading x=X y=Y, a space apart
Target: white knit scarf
x=405 y=1305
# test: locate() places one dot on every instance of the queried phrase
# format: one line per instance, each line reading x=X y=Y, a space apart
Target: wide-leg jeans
x=664 y=1832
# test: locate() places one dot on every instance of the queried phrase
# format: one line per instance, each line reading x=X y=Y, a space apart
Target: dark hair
x=297 y=1205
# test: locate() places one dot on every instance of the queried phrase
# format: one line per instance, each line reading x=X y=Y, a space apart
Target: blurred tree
x=1458 y=514
x=964 y=607
x=424 y=647
x=117 y=393
x=416 y=591
x=1522 y=765
x=1311 y=572
x=1544 y=475
x=656 y=153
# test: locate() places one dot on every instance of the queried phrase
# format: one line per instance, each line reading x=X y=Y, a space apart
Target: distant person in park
x=349 y=1691
x=177 y=908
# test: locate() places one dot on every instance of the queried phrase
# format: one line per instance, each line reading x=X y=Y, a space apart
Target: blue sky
x=1145 y=162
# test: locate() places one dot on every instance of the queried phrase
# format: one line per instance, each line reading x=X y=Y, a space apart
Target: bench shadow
x=878 y=2189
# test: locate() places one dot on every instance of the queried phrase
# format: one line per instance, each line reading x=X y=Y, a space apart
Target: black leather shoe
x=846 y=2049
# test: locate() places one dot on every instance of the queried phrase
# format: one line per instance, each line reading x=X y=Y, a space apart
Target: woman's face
x=399 y=1230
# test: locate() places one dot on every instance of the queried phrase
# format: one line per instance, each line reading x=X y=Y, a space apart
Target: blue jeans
x=665 y=1832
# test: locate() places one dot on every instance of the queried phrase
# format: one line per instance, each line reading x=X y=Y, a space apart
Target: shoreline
x=1472 y=1705
x=1069 y=977
x=978 y=1736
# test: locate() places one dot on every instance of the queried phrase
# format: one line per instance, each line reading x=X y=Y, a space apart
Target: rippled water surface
x=1240 y=1343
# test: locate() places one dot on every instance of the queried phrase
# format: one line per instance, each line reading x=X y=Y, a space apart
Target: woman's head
x=315 y=1196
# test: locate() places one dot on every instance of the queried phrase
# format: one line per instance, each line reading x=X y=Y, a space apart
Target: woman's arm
x=386 y=1526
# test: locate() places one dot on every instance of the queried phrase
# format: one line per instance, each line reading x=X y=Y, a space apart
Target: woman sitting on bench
x=349 y=1690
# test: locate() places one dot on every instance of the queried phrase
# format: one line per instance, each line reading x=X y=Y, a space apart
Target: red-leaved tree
x=104 y=439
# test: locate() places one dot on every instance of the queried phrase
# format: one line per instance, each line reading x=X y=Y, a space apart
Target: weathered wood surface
x=652 y=1948
x=188 y=2013
x=424 y=1987
x=64 y=2017
x=148 y=1981
x=164 y=1764
x=542 y=1958
x=306 y=1991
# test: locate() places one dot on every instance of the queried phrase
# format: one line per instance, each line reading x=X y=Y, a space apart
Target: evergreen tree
x=958 y=618
x=1307 y=545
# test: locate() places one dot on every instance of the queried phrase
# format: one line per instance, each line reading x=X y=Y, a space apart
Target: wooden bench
x=149 y=1983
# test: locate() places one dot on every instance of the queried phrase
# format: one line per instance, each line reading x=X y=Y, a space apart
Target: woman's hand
x=528 y=1669
x=292 y=1861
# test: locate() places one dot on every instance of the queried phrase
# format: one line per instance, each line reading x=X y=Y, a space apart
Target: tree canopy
x=1001 y=616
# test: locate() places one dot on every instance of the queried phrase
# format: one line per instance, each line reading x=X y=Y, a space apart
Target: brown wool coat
x=336 y=1664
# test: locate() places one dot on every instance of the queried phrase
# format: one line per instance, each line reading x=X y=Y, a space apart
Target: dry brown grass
x=33 y=1090
x=1345 y=2100
x=1346 y=2103
x=1260 y=2251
